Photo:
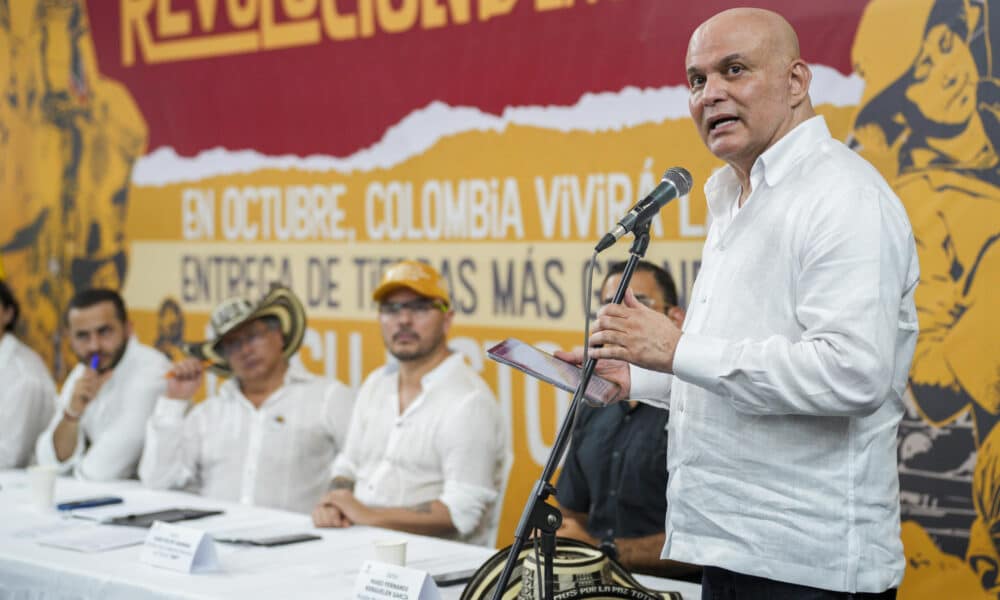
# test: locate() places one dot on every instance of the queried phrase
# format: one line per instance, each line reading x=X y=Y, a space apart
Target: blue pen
x=95 y=360
x=89 y=503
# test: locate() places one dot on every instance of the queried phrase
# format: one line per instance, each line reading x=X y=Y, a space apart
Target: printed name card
x=382 y=581
x=179 y=548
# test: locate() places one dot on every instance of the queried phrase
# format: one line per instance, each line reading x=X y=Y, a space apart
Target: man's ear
x=799 y=78
x=6 y=316
x=448 y=318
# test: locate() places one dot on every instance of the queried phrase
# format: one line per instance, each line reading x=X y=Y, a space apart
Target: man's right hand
x=185 y=378
x=327 y=514
x=86 y=389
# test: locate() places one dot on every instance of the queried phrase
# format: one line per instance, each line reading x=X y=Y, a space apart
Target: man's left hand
x=353 y=510
x=633 y=332
x=571 y=528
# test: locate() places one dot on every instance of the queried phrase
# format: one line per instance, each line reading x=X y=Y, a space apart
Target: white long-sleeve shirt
x=278 y=455
x=790 y=374
x=448 y=445
x=111 y=430
x=27 y=399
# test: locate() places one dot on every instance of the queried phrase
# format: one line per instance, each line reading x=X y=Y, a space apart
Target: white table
x=319 y=569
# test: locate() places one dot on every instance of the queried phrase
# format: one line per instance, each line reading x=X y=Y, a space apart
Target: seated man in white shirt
x=97 y=432
x=427 y=448
x=270 y=434
x=28 y=394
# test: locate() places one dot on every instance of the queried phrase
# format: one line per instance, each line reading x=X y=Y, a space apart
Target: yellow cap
x=413 y=275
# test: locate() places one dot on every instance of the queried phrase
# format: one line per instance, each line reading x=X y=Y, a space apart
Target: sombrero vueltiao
x=280 y=302
x=580 y=570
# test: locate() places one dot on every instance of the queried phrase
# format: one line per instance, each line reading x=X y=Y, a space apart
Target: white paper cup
x=42 y=480
x=392 y=552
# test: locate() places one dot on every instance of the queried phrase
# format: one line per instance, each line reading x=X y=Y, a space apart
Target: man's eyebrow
x=725 y=60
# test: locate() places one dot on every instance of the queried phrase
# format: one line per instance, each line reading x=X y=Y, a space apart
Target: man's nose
x=92 y=344
x=714 y=89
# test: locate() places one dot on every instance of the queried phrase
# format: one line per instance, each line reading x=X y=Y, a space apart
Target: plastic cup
x=42 y=480
x=392 y=552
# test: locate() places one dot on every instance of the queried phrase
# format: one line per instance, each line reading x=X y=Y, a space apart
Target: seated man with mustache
x=426 y=451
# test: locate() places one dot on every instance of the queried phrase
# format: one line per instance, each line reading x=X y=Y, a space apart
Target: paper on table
x=247 y=525
x=447 y=563
x=95 y=538
x=37 y=531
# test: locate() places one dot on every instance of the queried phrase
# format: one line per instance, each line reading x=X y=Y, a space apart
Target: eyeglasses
x=255 y=332
x=419 y=306
x=642 y=298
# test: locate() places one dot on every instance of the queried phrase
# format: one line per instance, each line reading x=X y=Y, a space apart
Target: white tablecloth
x=319 y=569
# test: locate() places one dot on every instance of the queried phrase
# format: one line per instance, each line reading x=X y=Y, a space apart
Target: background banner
x=186 y=151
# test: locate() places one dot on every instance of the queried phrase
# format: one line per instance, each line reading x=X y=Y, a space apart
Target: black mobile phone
x=171 y=515
x=453 y=578
x=282 y=540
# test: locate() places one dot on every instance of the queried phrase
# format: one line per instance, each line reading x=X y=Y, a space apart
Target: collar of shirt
x=230 y=390
x=723 y=187
x=440 y=373
x=432 y=378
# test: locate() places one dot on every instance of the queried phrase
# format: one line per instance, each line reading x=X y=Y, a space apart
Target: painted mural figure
x=170 y=329
x=930 y=120
x=70 y=139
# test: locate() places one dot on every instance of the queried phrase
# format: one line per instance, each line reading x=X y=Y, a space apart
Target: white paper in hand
x=179 y=548
x=381 y=581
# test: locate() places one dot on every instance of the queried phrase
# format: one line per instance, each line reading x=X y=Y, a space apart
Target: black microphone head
x=680 y=179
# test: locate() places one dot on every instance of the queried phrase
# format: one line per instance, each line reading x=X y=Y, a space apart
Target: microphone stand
x=538 y=514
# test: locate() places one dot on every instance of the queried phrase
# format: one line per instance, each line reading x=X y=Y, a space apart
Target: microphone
x=676 y=182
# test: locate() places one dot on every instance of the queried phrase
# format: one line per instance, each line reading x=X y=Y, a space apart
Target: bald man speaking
x=793 y=358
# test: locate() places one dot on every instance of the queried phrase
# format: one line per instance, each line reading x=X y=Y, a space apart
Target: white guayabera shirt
x=278 y=455
x=111 y=430
x=27 y=398
x=449 y=445
x=790 y=374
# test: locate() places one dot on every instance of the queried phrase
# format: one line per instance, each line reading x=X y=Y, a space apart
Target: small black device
x=565 y=376
x=453 y=578
x=277 y=540
x=171 y=515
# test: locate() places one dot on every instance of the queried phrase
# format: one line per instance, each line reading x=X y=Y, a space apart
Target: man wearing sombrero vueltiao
x=270 y=434
x=427 y=449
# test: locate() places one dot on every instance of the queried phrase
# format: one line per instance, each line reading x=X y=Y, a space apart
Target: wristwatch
x=609 y=548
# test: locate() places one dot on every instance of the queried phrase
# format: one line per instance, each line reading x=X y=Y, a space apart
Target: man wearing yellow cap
x=426 y=450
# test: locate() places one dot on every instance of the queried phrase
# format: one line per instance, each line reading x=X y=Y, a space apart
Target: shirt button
x=611 y=533
x=613 y=493
x=615 y=454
